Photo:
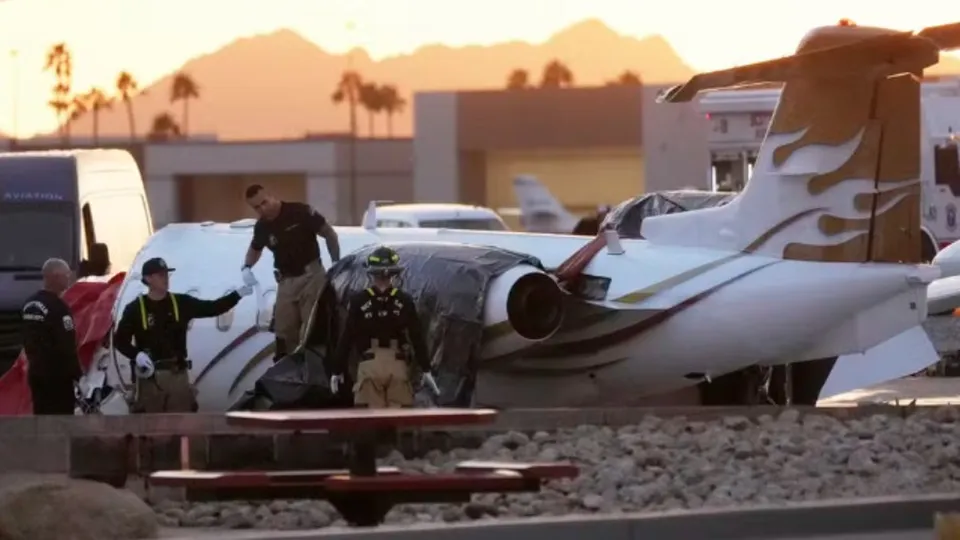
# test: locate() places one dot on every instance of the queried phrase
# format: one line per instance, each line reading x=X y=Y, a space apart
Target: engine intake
x=535 y=306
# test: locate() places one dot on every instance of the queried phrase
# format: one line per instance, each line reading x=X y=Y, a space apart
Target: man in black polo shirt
x=289 y=230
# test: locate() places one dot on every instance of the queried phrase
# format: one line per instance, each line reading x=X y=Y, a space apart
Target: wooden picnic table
x=364 y=493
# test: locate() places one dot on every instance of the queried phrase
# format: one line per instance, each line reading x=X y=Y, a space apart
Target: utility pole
x=15 y=93
x=352 y=149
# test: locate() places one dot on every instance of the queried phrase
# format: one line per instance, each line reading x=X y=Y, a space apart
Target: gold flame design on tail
x=881 y=105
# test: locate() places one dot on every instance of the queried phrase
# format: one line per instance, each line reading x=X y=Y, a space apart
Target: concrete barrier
x=25 y=427
x=77 y=443
x=864 y=518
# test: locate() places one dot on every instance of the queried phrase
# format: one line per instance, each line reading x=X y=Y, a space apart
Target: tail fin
x=837 y=176
x=540 y=211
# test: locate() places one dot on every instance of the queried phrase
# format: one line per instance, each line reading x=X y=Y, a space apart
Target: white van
x=439 y=216
x=87 y=207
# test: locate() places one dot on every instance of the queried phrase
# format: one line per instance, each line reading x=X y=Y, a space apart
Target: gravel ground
x=663 y=464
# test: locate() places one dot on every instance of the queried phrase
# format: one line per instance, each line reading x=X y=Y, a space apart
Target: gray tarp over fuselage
x=449 y=282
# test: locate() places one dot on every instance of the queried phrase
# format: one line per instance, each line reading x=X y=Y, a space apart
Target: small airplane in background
x=540 y=211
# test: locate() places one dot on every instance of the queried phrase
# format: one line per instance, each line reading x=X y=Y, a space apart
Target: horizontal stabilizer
x=946 y=36
x=831 y=54
x=902 y=355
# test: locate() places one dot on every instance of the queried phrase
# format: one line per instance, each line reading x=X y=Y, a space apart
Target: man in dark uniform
x=50 y=342
x=153 y=333
x=289 y=230
x=383 y=326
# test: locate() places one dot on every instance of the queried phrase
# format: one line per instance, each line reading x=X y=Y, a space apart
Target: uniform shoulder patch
x=68 y=323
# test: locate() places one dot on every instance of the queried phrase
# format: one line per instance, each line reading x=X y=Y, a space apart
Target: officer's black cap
x=155 y=265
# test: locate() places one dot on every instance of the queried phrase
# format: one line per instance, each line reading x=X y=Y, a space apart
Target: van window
x=120 y=221
x=483 y=224
x=32 y=232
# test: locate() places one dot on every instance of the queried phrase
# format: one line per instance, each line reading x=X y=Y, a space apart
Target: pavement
x=221 y=534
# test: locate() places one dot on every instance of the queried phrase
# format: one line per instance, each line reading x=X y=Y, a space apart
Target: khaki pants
x=168 y=391
x=296 y=297
x=383 y=382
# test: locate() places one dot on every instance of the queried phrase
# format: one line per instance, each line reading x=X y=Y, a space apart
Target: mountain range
x=279 y=85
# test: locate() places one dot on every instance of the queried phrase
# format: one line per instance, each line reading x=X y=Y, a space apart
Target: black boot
x=280 y=350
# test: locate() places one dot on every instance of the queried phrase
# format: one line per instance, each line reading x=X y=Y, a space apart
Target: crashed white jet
x=813 y=260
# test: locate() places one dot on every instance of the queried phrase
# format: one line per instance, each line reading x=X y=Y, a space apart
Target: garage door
x=220 y=198
x=580 y=179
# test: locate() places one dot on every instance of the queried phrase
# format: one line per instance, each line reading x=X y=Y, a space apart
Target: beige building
x=589 y=146
x=189 y=181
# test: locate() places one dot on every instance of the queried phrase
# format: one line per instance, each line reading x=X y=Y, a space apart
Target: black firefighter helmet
x=383 y=261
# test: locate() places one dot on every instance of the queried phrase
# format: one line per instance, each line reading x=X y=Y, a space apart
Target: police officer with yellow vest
x=153 y=332
x=382 y=324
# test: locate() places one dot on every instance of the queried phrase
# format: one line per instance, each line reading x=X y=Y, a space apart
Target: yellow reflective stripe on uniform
x=370 y=291
x=143 y=310
x=394 y=258
x=373 y=258
x=393 y=291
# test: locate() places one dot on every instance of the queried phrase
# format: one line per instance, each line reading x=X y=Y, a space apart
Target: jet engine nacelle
x=523 y=306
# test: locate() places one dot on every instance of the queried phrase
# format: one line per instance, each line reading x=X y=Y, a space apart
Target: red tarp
x=92 y=307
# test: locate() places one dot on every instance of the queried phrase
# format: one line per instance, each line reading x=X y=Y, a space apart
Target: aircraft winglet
x=614 y=247
x=370 y=218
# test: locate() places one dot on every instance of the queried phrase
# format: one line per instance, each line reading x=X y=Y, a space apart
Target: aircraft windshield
x=31 y=233
x=487 y=224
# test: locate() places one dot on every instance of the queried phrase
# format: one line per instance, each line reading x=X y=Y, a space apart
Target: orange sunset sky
x=153 y=37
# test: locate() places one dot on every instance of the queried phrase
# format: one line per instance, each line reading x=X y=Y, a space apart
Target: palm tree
x=127 y=87
x=164 y=128
x=60 y=62
x=371 y=100
x=556 y=74
x=95 y=101
x=184 y=89
x=519 y=79
x=392 y=103
x=627 y=78
x=78 y=108
x=348 y=90
x=60 y=103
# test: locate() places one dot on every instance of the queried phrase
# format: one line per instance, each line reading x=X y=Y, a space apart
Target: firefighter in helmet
x=383 y=326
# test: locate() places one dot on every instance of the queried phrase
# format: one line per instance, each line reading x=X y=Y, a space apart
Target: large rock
x=53 y=507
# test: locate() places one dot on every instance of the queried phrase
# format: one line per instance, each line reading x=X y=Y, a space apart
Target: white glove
x=335 y=382
x=431 y=383
x=144 y=366
x=248 y=278
x=245 y=290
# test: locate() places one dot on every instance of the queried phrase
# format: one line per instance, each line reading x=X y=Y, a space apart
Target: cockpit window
x=485 y=224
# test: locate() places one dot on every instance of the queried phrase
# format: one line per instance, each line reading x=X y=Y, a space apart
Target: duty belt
x=278 y=275
x=172 y=364
x=391 y=344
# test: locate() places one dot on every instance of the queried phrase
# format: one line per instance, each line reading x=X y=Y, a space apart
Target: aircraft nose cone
x=948 y=259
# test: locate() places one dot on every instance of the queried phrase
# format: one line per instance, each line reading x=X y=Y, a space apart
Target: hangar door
x=220 y=197
x=580 y=179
